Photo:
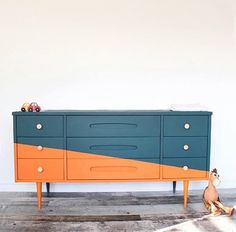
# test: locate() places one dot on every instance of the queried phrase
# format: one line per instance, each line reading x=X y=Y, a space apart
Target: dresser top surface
x=113 y=112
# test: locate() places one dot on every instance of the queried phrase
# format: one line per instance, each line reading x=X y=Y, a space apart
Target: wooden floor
x=136 y=211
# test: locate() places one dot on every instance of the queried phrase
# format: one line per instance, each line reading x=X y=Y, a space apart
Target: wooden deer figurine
x=211 y=198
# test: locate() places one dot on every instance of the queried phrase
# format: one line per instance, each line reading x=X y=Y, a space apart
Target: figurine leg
x=186 y=183
x=214 y=210
x=48 y=189
x=174 y=186
x=227 y=210
x=39 y=194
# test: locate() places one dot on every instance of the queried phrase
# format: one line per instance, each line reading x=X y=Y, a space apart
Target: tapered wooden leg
x=39 y=194
x=186 y=184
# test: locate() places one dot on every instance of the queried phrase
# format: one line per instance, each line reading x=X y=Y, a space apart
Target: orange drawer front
x=29 y=151
x=171 y=172
x=40 y=169
x=111 y=169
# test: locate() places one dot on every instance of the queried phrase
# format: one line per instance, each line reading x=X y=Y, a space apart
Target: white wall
x=126 y=54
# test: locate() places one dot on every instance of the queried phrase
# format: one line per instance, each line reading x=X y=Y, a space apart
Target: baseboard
x=101 y=187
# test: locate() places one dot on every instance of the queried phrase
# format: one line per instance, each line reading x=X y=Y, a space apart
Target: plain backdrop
x=119 y=54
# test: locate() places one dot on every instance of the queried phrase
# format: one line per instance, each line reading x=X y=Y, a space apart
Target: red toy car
x=34 y=107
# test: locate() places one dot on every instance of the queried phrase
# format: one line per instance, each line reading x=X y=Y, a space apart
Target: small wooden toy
x=34 y=107
x=25 y=107
x=211 y=198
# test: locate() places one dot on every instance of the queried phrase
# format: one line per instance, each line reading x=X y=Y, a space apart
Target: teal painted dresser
x=100 y=146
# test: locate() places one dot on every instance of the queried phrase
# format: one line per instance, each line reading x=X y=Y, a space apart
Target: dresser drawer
x=185 y=147
x=50 y=148
x=110 y=169
x=184 y=168
x=186 y=125
x=40 y=169
x=113 y=126
x=40 y=126
x=125 y=147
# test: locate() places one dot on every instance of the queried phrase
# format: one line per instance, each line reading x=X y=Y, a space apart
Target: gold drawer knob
x=186 y=147
x=185 y=168
x=186 y=126
x=39 y=126
x=39 y=148
x=40 y=169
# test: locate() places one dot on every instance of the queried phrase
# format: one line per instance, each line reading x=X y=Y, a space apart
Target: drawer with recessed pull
x=39 y=126
x=122 y=147
x=112 y=169
x=40 y=169
x=96 y=126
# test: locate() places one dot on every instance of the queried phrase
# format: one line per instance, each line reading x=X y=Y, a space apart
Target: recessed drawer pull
x=39 y=126
x=40 y=169
x=186 y=147
x=186 y=126
x=39 y=148
x=185 y=168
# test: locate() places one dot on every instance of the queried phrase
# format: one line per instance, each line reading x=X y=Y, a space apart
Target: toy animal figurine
x=211 y=198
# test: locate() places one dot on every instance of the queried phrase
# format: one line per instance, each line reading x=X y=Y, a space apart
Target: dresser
x=114 y=146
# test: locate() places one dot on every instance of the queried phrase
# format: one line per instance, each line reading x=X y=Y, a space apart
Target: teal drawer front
x=190 y=163
x=113 y=126
x=186 y=125
x=44 y=142
x=37 y=126
x=144 y=148
x=185 y=147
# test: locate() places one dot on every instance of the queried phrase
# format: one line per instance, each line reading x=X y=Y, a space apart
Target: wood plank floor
x=133 y=211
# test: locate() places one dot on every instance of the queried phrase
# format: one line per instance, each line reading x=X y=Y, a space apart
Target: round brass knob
x=39 y=126
x=186 y=147
x=186 y=126
x=185 y=168
x=40 y=169
x=40 y=148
